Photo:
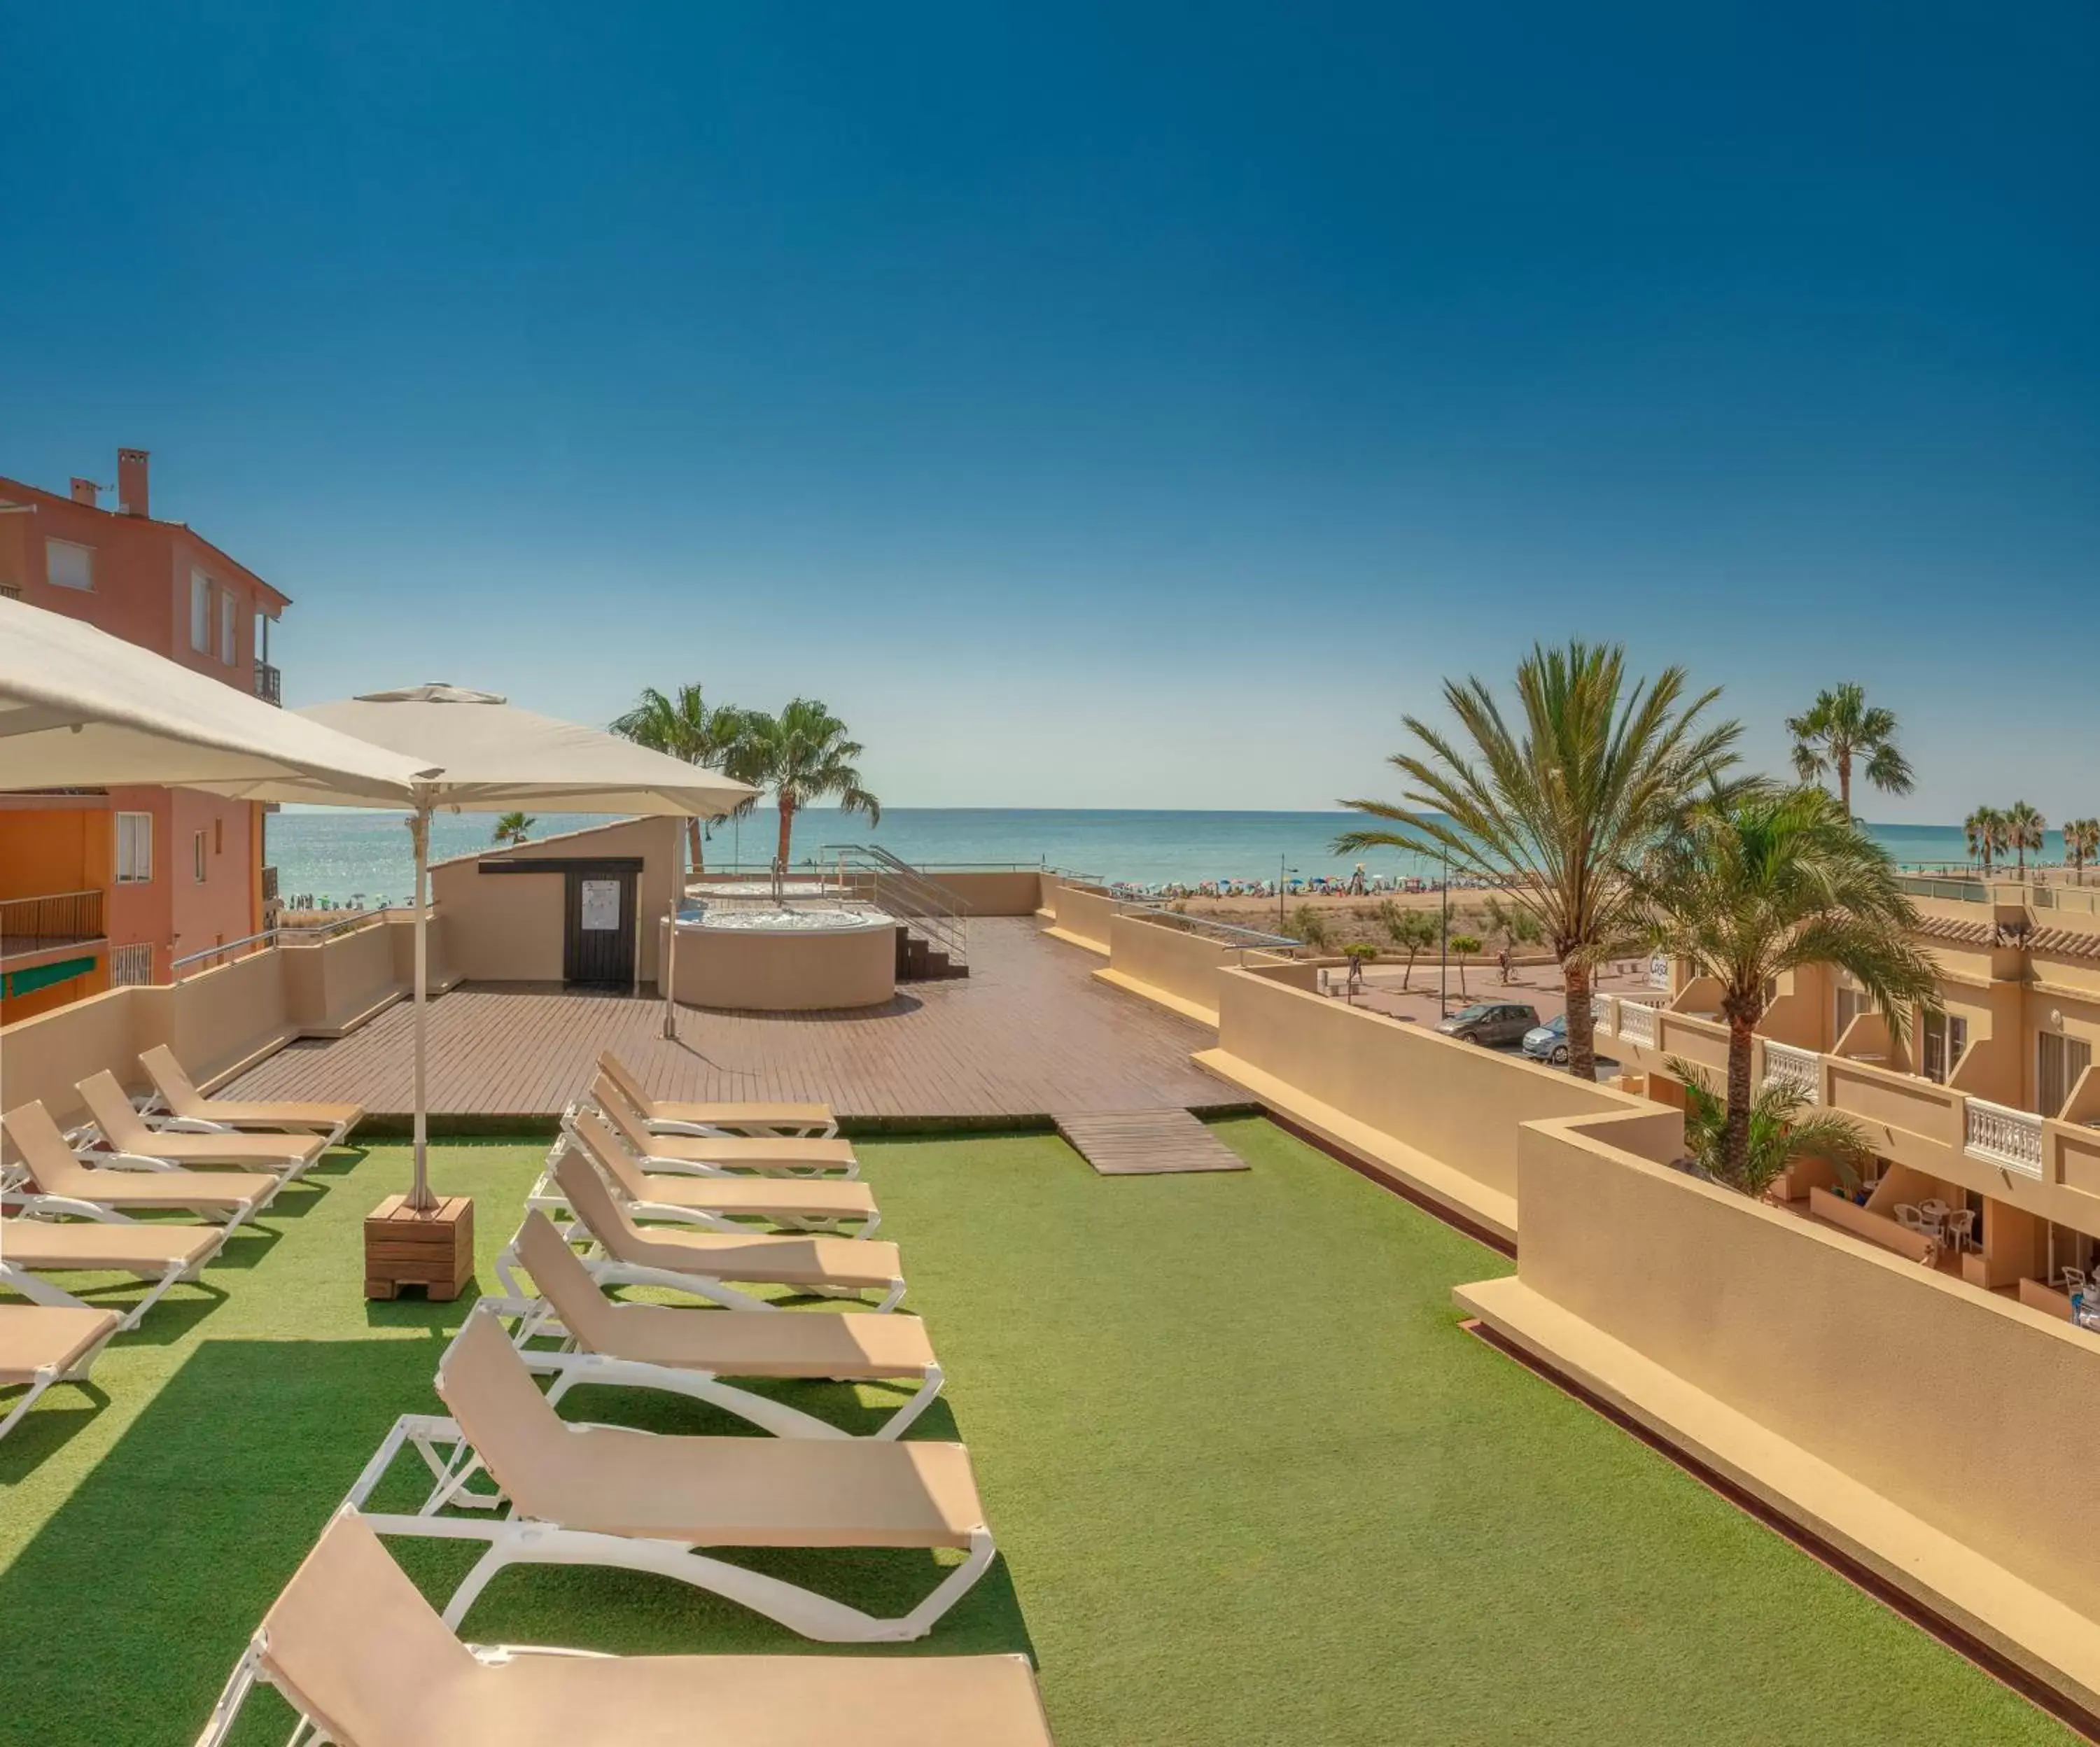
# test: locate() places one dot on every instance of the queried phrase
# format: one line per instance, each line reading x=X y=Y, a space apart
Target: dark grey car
x=1496 y=1023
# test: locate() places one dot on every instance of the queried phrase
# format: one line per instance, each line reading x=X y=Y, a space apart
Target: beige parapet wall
x=1438 y=1117
x=1082 y=915
x=1001 y=893
x=1941 y=1435
x=1175 y=967
x=218 y=1020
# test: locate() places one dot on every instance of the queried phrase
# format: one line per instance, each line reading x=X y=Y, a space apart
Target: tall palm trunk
x=1735 y=1135
x=786 y=829
x=695 y=855
x=1582 y=1024
x=1845 y=782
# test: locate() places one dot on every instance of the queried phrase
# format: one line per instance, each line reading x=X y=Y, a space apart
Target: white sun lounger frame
x=27 y=1283
x=46 y=1375
x=569 y=1366
x=546 y=1197
x=514 y=1540
x=16 y=1195
x=714 y=1288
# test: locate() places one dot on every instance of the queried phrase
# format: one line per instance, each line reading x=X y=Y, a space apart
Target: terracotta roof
x=1978 y=932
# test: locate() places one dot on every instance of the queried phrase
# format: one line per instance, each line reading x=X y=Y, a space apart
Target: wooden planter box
x=433 y=1250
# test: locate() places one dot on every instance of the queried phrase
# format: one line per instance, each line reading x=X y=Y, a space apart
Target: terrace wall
x=1081 y=916
x=216 y=1020
x=1440 y=1116
x=1177 y=967
x=1729 y=1325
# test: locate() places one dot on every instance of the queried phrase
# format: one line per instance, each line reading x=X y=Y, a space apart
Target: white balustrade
x=1600 y=1015
x=1800 y=1068
x=2001 y=1136
x=1637 y=1023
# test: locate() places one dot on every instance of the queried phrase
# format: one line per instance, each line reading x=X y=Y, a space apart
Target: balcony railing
x=1637 y=1023
x=1788 y=1065
x=34 y=925
x=1959 y=891
x=2001 y=1136
x=267 y=682
x=1600 y=1015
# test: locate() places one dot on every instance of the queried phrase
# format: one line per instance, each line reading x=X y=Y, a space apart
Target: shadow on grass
x=176 y=1542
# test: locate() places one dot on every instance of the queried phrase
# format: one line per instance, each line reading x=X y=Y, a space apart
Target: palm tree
x=1412 y=931
x=1987 y=835
x=1841 y=725
x=2081 y=843
x=1761 y=881
x=1782 y=1128
x=1463 y=947
x=2024 y=825
x=1556 y=810
x=803 y=756
x=513 y=828
x=685 y=727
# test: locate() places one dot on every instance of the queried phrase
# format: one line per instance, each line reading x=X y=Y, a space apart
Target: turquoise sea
x=342 y=854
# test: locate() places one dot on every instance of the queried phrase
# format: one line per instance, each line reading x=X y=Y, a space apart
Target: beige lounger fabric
x=736 y=1151
x=353 y=1644
x=797 y=1197
x=844 y=1262
x=55 y=1171
x=90 y=1246
x=722 y=1115
x=37 y=1338
x=178 y=1091
x=126 y=1131
x=705 y=1491
x=820 y=1344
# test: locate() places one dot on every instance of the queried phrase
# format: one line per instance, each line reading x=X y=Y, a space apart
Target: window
x=218 y=836
x=1942 y=1037
x=227 y=653
x=2062 y=1059
x=134 y=848
x=1851 y=1002
x=68 y=566
x=131 y=964
x=197 y=857
x=200 y=612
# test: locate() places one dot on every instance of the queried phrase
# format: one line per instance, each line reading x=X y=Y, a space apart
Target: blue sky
x=1118 y=406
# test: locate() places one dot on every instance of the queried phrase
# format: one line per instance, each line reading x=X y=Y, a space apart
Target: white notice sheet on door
x=600 y=904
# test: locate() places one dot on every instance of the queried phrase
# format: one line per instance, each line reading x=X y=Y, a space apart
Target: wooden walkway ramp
x=1145 y=1143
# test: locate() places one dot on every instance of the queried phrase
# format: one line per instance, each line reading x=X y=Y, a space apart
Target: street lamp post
x=1444 y=946
x=1280 y=871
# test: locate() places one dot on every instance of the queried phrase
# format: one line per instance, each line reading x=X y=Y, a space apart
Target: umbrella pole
x=671 y=941
x=421 y=1200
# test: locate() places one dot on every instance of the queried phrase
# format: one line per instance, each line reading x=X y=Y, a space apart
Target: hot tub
x=791 y=956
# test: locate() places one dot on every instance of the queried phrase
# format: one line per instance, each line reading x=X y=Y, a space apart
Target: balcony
x=1637 y=1023
x=268 y=683
x=1800 y=1070
x=29 y=926
x=2000 y=1136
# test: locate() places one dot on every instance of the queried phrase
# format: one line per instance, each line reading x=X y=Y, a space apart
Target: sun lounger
x=688 y=1351
x=703 y=1263
x=716 y=1203
x=125 y=1132
x=42 y=1344
x=668 y=1116
x=714 y=1155
x=358 y=1653
x=161 y=1252
x=53 y=1181
x=189 y=1111
x=606 y=1495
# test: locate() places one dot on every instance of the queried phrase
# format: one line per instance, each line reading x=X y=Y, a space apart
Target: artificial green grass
x=1251 y=1482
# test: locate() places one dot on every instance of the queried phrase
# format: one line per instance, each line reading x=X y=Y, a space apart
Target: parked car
x=1549 y=1042
x=1496 y=1023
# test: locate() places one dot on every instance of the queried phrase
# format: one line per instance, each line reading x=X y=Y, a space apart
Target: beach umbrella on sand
x=481 y=753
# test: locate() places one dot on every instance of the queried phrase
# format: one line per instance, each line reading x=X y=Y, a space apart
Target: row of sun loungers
x=75 y=1201
x=619 y=1205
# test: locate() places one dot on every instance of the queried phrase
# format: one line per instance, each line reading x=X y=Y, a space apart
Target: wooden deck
x=1029 y=1032
x=1145 y=1142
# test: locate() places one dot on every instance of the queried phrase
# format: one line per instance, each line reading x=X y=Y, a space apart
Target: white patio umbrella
x=482 y=754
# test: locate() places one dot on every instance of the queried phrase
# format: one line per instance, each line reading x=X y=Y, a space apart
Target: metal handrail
x=937 y=913
x=1244 y=937
x=298 y=934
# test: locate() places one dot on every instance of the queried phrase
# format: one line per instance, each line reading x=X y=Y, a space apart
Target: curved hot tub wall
x=757 y=970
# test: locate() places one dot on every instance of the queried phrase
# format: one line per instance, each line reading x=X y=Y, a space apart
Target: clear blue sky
x=1117 y=406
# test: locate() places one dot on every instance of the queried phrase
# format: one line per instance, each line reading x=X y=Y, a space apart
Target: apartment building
x=119 y=886
x=1989 y=1106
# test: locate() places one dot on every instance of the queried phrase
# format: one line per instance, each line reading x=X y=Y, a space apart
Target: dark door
x=598 y=940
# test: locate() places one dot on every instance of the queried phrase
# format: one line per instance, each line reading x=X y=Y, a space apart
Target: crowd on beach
x=1357 y=883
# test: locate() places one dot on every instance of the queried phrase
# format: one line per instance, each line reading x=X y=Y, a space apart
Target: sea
x=345 y=856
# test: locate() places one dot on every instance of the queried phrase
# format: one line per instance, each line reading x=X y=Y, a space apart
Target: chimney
x=86 y=492
x=131 y=480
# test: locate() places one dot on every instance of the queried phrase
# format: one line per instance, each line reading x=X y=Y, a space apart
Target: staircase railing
x=939 y=914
